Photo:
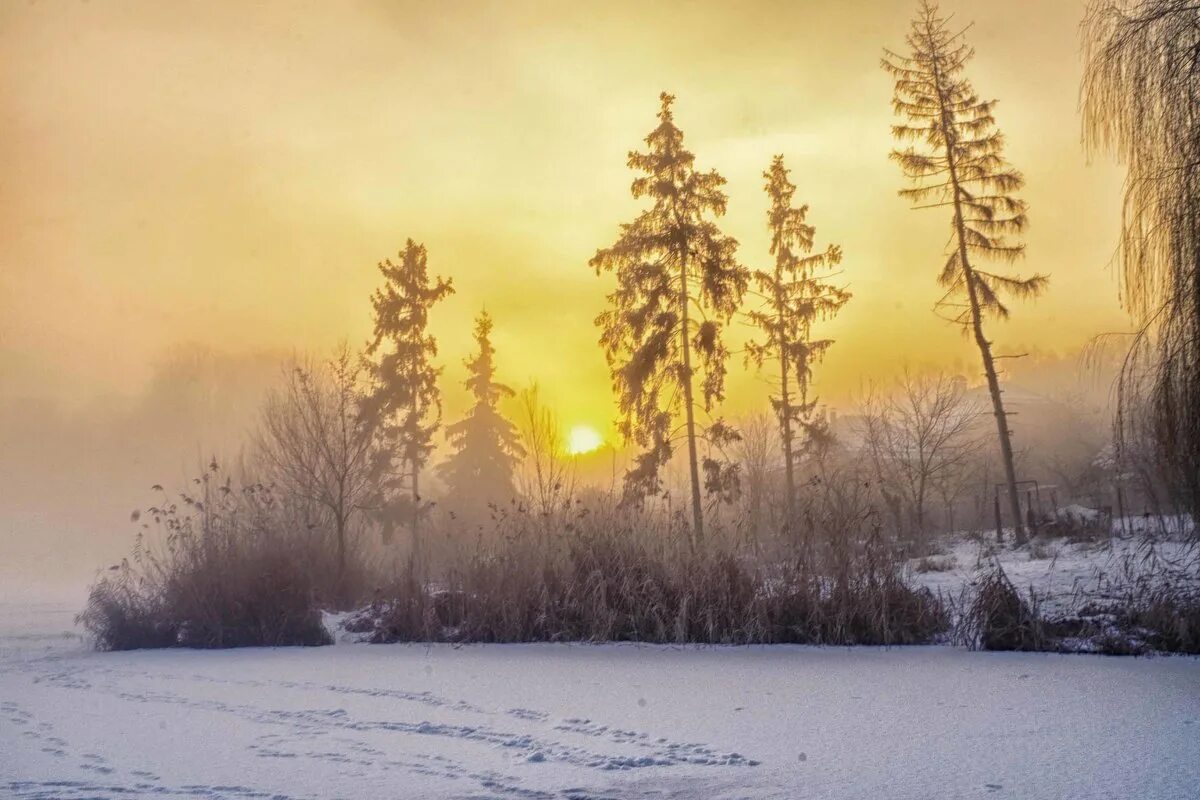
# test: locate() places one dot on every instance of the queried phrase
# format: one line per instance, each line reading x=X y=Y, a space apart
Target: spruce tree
x=678 y=281
x=487 y=449
x=405 y=404
x=795 y=294
x=961 y=167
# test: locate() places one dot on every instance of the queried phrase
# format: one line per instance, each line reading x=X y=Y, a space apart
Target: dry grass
x=1000 y=619
x=615 y=576
x=1145 y=604
x=230 y=570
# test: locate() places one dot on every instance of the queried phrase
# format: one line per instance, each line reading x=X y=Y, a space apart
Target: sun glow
x=583 y=439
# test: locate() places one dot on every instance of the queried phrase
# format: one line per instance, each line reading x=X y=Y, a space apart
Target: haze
x=223 y=178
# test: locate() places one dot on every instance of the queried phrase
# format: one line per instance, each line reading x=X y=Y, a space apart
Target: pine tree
x=796 y=293
x=678 y=280
x=962 y=168
x=487 y=447
x=405 y=404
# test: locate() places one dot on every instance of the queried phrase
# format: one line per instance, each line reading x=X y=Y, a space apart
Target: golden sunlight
x=583 y=439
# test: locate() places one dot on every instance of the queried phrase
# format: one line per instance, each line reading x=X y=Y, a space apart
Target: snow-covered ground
x=1064 y=576
x=574 y=722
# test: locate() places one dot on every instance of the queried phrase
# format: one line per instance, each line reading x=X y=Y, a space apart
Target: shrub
x=121 y=615
x=232 y=572
x=615 y=577
x=1147 y=604
x=1169 y=623
x=1000 y=619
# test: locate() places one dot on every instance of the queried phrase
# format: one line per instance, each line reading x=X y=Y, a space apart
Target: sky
x=229 y=174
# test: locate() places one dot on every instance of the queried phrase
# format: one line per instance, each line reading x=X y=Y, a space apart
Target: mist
x=612 y=399
x=227 y=180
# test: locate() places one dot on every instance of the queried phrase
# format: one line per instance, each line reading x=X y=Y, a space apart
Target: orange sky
x=229 y=173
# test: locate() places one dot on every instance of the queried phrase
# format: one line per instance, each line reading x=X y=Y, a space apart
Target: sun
x=583 y=439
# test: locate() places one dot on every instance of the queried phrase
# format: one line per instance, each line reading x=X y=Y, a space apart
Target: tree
x=796 y=293
x=405 y=403
x=487 y=446
x=548 y=477
x=678 y=281
x=962 y=168
x=758 y=453
x=1141 y=89
x=316 y=446
x=921 y=440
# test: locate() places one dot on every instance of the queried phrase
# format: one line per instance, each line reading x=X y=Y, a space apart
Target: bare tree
x=921 y=437
x=547 y=476
x=314 y=444
x=758 y=453
x=962 y=168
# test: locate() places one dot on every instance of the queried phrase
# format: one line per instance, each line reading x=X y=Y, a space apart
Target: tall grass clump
x=1146 y=601
x=224 y=567
x=606 y=575
x=1000 y=619
x=1150 y=601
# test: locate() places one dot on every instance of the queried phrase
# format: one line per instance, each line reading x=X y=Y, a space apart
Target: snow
x=1064 y=575
x=1078 y=512
x=572 y=722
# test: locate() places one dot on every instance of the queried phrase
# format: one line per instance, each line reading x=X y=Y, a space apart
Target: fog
x=72 y=474
x=194 y=194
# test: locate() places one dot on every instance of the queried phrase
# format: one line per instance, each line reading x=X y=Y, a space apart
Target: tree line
x=680 y=281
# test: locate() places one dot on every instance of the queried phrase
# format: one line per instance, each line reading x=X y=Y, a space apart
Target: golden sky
x=229 y=174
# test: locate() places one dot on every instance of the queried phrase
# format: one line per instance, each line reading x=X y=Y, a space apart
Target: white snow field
x=579 y=721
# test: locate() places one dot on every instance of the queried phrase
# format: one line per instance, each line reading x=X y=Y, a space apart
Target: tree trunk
x=340 y=523
x=416 y=515
x=693 y=466
x=785 y=411
x=1006 y=451
x=919 y=539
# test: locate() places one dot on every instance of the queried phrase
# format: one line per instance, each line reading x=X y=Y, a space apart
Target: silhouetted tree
x=961 y=167
x=796 y=293
x=314 y=443
x=1141 y=92
x=678 y=280
x=404 y=402
x=548 y=477
x=758 y=453
x=487 y=446
x=921 y=437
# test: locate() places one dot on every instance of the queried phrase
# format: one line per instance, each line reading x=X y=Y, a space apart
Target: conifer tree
x=405 y=404
x=961 y=167
x=487 y=447
x=678 y=281
x=796 y=293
